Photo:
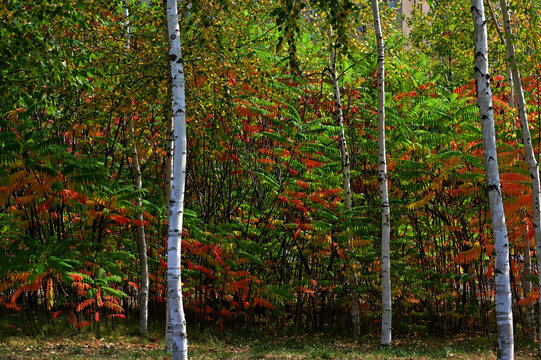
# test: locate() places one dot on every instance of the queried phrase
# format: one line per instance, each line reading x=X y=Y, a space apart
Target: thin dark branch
x=355 y=63
x=257 y=38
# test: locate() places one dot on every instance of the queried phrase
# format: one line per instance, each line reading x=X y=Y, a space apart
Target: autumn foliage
x=267 y=238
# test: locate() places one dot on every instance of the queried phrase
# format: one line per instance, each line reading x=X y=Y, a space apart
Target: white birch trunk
x=141 y=240
x=525 y=130
x=530 y=310
x=355 y=306
x=179 y=342
x=504 y=315
x=386 y=302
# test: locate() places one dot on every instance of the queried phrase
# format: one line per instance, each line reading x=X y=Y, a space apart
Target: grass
x=322 y=346
x=124 y=343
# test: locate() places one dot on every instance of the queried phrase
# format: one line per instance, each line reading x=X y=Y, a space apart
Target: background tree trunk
x=141 y=240
x=143 y=263
x=168 y=174
x=525 y=130
x=504 y=315
x=530 y=309
x=355 y=306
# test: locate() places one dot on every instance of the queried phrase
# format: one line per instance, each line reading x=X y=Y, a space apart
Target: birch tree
x=355 y=306
x=533 y=166
x=386 y=304
x=179 y=342
x=530 y=327
x=141 y=240
x=504 y=315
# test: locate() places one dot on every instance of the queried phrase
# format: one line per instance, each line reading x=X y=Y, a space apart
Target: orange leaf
x=134 y=285
x=56 y=314
x=84 y=304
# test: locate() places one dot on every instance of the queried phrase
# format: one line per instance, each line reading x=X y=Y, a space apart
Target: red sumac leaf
x=303 y=184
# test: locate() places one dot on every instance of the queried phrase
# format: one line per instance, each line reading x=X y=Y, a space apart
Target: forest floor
x=252 y=347
x=27 y=340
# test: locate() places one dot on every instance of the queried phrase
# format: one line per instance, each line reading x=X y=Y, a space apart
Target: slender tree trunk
x=530 y=327
x=168 y=173
x=526 y=137
x=511 y=100
x=355 y=306
x=530 y=310
x=504 y=315
x=387 y=311
x=143 y=263
x=530 y=317
x=141 y=240
x=179 y=340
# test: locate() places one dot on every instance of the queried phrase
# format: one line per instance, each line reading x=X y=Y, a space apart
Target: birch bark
x=525 y=130
x=387 y=312
x=504 y=315
x=355 y=306
x=179 y=342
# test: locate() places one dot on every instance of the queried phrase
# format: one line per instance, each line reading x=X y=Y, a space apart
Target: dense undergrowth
x=267 y=242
